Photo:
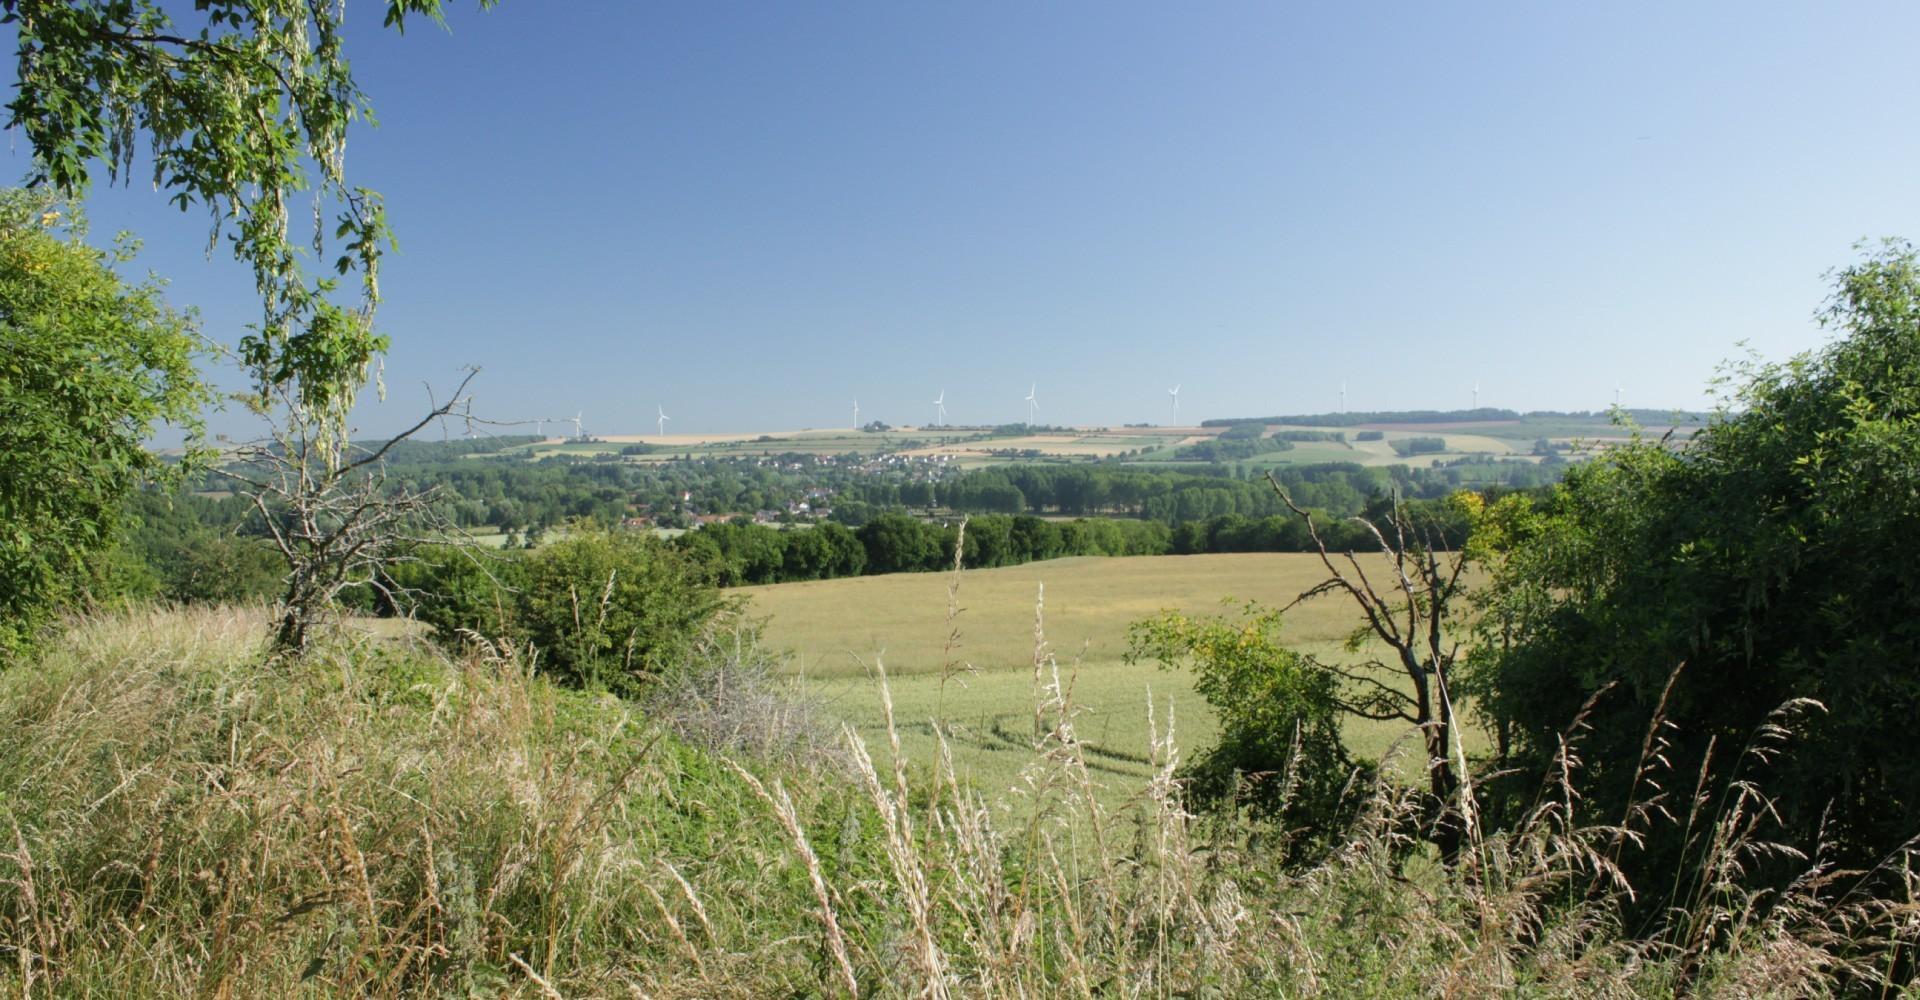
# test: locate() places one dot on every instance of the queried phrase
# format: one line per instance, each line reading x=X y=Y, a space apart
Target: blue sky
x=752 y=213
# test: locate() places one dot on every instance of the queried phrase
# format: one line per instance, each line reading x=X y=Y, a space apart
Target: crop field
x=981 y=682
x=1154 y=447
x=963 y=446
x=819 y=442
x=1095 y=443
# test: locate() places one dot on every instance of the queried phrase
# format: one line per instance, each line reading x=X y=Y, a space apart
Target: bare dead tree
x=1410 y=616
x=337 y=519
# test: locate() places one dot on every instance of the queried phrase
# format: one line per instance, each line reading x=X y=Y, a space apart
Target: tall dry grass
x=181 y=820
x=381 y=820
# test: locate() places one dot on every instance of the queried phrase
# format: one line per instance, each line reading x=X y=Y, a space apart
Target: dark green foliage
x=1311 y=436
x=606 y=610
x=1775 y=558
x=459 y=592
x=222 y=569
x=742 y=554
x=1225 y=449
x=1370 y=435
x=410 y=452
x=738 y=554
x=1243 y=432
x=612 y=609
x=821 y=553
x=1340 y=489
x=896 y=543
x=1406 y=447
x=1279 y=752
x=89 y=366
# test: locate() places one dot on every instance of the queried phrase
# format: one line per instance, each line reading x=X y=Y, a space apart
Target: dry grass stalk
x=782 y=806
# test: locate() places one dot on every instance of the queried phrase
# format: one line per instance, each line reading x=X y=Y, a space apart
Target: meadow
x=968 y=662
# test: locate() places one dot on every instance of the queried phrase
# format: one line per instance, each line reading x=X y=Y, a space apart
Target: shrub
x=1369 y=435
x=460 y=592
x=1279 y=752
x=601 y=609
x=612 y=610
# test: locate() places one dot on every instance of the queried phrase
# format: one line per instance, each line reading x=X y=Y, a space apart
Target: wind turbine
x=1616 y=394
x=856 y=413
x=576 y=423
x=1032 y=404
x=940 y=410
x=1343 y=395
x=1476 y=394
x=662 y=422
x=538 y=424
x=1174 y=394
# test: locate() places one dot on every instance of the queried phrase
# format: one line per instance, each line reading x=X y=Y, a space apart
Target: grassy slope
x=181 y=818
x=380 y=821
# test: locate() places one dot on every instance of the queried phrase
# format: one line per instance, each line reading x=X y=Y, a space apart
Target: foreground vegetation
x=380 y=819
x=1695 y=654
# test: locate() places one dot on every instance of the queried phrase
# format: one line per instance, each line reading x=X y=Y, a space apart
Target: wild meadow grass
x=181 y=817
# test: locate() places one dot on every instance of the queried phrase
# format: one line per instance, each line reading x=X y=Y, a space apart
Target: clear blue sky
x=752 y=213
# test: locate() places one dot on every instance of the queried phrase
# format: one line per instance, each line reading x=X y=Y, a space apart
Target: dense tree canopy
x=89 y=366
x=1774 y=558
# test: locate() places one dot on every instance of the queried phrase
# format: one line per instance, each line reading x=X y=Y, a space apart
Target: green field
x=837 y=629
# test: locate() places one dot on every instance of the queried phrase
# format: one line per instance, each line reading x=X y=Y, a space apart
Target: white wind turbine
x=1476 y=394
x=1616 y=394
x=1343 y=395
x=539 y=424
x=661 y=423
x=576 y=422
x=856 y=413
x=940 y=410
x=1032 y=404
x=1174 y=395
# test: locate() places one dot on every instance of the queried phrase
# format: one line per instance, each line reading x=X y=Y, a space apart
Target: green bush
x=612 y=609
x=461 y=593
x=601 y=609
x=1279 y=752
